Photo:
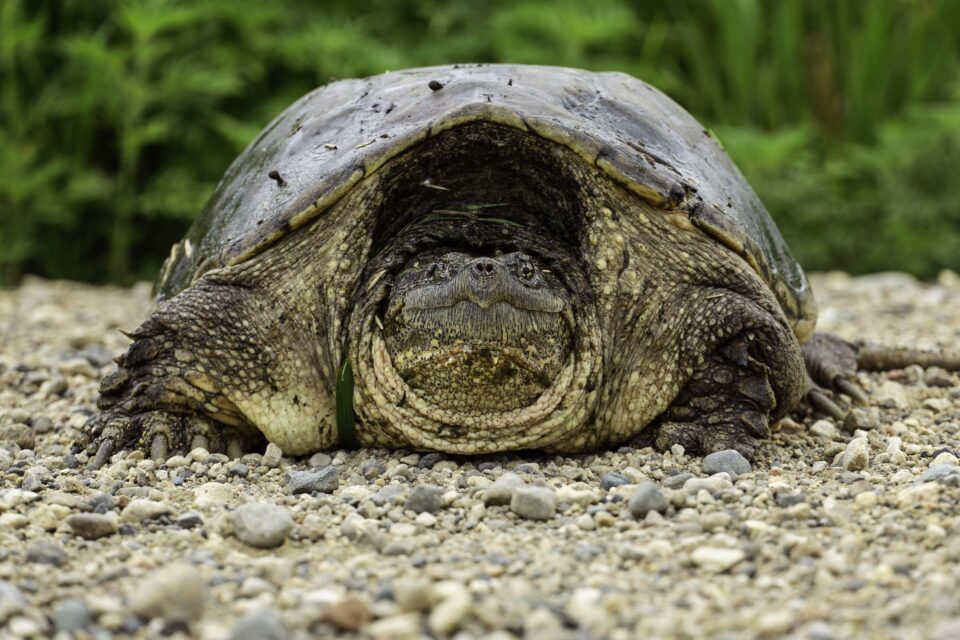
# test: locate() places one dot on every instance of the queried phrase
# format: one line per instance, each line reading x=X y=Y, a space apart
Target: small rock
x=261 y=624
x=42 y=424
x=944 y=458
x=189 y=520
x=729 y=461
x=140 y=510
x=239 y=470
x=648 y=497
x=174 y=592
x=21 y=434
x=52 y=387
x=866 y=419
x=272 y=456
x=716 y=559
x=93 y=525
x=613 y=479
x=327 y=480
x=412 y=594
x=319 y=460
x=785 y=500
x=937 y=473
x=404 y=625
x=12 y=601
x=260 y=524
x=70 y=615
x=676 y=481
x=454 y=606
x=46 y=551
x=501 y=491
x=425 y=498
x=824 y=429
x=349 y=614
x=534 y=503
x=856 y=456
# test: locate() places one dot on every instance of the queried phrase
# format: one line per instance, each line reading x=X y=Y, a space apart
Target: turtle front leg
x=727 y=403
x=219 y=367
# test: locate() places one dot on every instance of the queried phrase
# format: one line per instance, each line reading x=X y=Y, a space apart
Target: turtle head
x=478 y=333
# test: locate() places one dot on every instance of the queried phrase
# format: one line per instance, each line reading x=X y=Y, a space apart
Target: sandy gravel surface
x=837 y=531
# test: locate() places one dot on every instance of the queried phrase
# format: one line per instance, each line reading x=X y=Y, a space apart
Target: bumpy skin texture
x=674 y=338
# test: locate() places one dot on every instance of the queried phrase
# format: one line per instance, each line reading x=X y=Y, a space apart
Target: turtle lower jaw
x=476 y=379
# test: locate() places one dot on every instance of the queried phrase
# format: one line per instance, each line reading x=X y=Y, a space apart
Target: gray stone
x=175 y=592
x=937 y=473
x=140 y=510
x=534 y=503
x=46 y=551
x=425 y=498
x=261 y=524
x=648 y=497
x=189 y=520
x=856 y=456
x=12 y=601
x=501 y=491
x=272 y=456
x=729 y=461
x=21 y=434
x=92 y=525
x=389 y=493
x=319 y=460
x=326 y=480
x=676 y=481
x=262 y=624
x=613 y=479
x=70 y=615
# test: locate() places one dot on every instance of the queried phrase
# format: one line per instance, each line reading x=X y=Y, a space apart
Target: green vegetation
x=118 y=116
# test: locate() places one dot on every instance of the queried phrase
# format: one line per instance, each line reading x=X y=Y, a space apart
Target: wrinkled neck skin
x=461 y=345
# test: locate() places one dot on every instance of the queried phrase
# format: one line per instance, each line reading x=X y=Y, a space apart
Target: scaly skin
x=673 y=338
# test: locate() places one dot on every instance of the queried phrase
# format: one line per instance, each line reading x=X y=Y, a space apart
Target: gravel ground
x=837 y=530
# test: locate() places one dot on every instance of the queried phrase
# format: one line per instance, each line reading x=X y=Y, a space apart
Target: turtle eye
x=438 y=271
x=527 y=272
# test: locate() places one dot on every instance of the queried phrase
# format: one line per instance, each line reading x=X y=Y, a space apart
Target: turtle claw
x=822 y=403
x=234 y=450
x=852 y=390
x=104 y=451
x=200 y=442
x=158 y=448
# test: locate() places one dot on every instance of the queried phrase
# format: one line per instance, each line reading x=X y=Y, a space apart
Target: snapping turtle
x=495 y=257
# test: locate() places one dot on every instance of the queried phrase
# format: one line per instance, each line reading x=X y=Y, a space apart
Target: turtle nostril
x=484 y=267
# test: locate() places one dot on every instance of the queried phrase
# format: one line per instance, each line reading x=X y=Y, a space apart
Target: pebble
x=716 y=559
x=261 y=524
x=12 y=601
x=455 y=604
x=729 y=461
x=613 y=479
x=534 y=503
x=272 y=456
x=425 y=498
x=319 y=460
x=93 y=526
x=946 y=458
x=46 y=551
x=501 y=491
x=937 y=473
x=349 y=614
x=856 y=456
x=647 y=497
x=862 y=418
x=174 y=592
x=260 y=624
x=70 y=615
x=327 y=480
x=824 y=429
x=21 y=434
x=189 y=520
x=140 y=510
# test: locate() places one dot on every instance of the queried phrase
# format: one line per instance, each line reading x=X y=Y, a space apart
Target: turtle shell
x=334 y=136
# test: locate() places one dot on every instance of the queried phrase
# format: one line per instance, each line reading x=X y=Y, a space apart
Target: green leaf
x=346 y=421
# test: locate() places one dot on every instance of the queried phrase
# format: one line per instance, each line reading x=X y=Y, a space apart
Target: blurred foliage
x=118 y=116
